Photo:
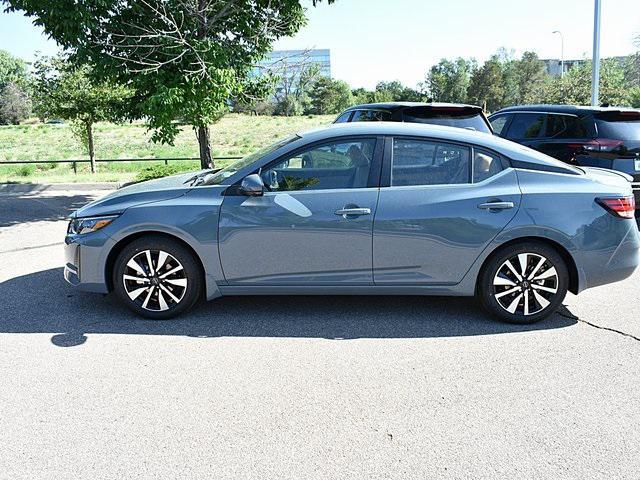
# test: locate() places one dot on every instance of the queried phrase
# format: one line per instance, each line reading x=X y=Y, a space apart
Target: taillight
x=601 y=145
x=623 y=207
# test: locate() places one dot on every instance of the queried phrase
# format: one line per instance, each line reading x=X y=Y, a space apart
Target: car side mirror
x=252 y=186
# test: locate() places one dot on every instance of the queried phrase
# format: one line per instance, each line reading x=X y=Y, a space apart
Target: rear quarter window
x=565 y=126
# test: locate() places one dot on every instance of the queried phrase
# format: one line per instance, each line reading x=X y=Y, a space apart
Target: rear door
x=563 y=136
x=441 y=206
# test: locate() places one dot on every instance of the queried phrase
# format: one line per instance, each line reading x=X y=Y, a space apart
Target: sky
x=384 y=40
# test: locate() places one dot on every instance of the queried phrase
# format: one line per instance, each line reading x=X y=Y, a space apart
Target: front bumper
x=85 y=261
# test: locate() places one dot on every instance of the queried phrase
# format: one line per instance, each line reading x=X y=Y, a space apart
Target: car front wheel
x=157 y=277
x=523 y=283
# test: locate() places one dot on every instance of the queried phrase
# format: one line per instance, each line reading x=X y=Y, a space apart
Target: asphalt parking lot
x=302 y=387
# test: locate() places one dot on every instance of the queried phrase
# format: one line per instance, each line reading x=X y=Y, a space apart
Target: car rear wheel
x=523 y=283
x=157 y=277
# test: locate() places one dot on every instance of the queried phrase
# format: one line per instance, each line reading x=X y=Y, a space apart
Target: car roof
x=510 y=149
x=402 y=105
x=570 y=109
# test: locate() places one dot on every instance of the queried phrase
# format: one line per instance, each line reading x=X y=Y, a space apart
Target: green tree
x=293 y=84
x=575 y=87
x=12 y=70
x=486 y=86
x=448 y=81
x=395 y=92
x=184 y=58
x=15 y=105
x=362 y=95
x=63 y=90
x=531 y=77
x=329 y=96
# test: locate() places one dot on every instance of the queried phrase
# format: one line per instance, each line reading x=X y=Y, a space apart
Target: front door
x=443 y=205
x=313 y=225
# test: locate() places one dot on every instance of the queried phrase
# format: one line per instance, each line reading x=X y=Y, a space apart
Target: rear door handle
x=355 y=212
x=496 y=205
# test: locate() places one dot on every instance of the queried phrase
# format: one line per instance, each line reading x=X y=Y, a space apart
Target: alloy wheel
x=525 y=284
x=155 y=280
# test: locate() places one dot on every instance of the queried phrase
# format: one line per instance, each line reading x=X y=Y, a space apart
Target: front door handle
x=353 y=212
x=496 y=205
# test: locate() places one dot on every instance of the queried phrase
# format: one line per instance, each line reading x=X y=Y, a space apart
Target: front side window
x=485 y=165
x=343 y=118
x=526 y=125
x=221 y=175
x=371 y=116
x=498 y=123
x=335 y=165
x=423 y=162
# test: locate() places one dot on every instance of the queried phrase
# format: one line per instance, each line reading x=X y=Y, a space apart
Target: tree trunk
x=90 y=145
x=205 y=149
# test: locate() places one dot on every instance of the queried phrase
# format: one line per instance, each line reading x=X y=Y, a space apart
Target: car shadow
x=42 y=302
x=29 y=207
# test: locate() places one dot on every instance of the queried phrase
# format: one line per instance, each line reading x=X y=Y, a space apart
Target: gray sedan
x=363 y=208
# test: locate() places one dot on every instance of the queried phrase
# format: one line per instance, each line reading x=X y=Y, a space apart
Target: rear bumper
x=613 y=265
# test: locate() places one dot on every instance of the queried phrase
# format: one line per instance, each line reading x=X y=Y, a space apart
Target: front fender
x=192 y=218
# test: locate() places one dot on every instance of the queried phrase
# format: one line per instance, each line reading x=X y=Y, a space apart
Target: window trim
x=374 y=169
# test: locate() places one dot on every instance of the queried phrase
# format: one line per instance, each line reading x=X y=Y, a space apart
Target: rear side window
x=619 y=125
x=343 y=118
x=498 y=123
x=526 y=125
x=450 y=117
x=564 y=126
x=485 y=165
x=371 y=116
x=422 y=162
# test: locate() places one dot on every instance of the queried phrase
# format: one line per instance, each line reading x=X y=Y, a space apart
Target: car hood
x=137 y=194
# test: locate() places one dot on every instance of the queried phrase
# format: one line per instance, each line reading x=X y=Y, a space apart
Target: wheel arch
x=574 y=278
x=123 y=242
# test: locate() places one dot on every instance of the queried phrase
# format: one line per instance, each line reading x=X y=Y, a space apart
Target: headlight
x=80 y=226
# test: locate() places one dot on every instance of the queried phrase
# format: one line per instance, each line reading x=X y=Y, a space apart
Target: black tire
x=161 y=292
x=508 y=288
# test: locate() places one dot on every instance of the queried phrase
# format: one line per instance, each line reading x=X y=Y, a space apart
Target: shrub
x=25 y=170
x=157 y=171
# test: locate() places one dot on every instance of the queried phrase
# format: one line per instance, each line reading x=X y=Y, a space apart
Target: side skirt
x=444 y=290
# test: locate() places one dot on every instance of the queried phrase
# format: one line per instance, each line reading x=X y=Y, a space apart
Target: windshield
x=221 y=175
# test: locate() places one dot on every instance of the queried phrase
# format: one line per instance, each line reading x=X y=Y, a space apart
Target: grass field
x=234 y=135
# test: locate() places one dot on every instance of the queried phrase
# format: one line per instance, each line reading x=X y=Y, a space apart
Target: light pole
x=561 y=52
x=595 y=73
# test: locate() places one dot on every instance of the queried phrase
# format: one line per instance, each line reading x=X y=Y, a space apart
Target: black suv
x=607 y=137
x=449 y=114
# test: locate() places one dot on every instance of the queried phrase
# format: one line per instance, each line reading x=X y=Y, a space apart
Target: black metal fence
x=75 y=162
